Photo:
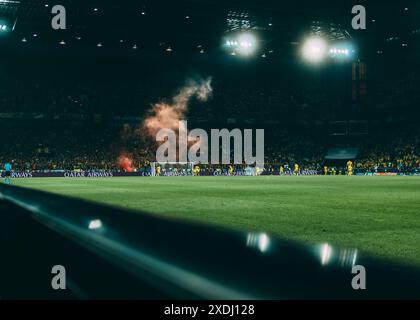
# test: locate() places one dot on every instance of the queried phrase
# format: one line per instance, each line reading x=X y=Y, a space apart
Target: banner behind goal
x=190 y=169
x=172 y=169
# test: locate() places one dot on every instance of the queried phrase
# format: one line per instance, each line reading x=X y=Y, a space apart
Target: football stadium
x=232 y=150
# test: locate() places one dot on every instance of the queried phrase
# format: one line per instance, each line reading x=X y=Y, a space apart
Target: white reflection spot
x=354 y=258
x=260 y=241
x=326 y=254
x=95 y=224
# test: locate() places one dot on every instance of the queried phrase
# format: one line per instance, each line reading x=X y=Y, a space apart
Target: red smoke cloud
x=125 y=163
x=167 y=115
x=164 y=115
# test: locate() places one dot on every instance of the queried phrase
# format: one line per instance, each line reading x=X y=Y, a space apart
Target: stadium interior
x=76 y=101
x=271 y=90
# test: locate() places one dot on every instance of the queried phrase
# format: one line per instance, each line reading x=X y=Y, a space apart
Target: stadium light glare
x=247 y=43
x=341 y=51
x=314 y=50
x=3 y=26
x=242 y=44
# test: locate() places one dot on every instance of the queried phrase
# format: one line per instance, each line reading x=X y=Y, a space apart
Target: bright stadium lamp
x=342 y=51
x=314 y=50
x=246 y=43
x=242 y=44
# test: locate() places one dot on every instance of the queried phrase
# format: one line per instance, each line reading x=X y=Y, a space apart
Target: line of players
x=296 y=170
x=333 y=171
x=327 y=171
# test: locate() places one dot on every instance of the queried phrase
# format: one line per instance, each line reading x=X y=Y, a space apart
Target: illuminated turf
x=378 y=215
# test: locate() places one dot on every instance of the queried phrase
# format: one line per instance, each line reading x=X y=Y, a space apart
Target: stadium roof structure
x=329 y=31
x=197 y=27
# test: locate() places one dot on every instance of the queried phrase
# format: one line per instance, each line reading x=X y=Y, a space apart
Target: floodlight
x=314 y=50
x=241 y=44
x=247 y=43
x=341 y=51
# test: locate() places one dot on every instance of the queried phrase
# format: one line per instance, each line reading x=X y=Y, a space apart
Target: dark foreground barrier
x=112 y=253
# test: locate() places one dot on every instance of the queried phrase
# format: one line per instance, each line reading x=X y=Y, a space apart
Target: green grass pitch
x=377 y=215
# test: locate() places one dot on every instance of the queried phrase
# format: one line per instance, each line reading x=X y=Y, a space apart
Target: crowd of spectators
x=400 y=153
x=251 y=103
x=101 y=148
